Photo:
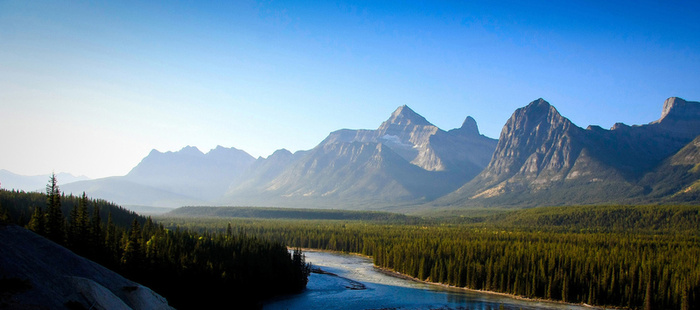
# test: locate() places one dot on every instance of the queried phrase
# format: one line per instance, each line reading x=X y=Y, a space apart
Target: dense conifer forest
x=640 y=257
x=192 y=270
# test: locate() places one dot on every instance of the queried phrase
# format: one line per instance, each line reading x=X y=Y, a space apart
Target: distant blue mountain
x=9 y=180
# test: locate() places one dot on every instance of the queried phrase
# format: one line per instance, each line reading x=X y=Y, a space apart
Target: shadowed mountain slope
x=543 y=158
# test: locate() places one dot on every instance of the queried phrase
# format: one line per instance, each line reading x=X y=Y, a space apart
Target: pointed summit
x=536 y=112
x=535 y=139
x=469 y=126
x=405 y=116
x=539 y=106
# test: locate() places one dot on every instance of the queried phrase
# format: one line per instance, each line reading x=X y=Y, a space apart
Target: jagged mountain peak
x=620 y=126
x=405 y=116
x=535 y=142
x=469 y=122
x=224 y=155
x=532 y=116
x=539 y=102
x=539 y=107
x=190 y=150
x=469 y=126
x=221 y=150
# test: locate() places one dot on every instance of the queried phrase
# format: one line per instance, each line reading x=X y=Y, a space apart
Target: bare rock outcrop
x=543 y=158
x=40 y=274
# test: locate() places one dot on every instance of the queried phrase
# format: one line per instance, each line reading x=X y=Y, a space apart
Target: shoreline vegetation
x=602 y=256
x=398 y=275
x=636 y=257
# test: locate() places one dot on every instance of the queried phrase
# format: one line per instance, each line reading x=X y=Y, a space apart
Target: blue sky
x=91 y=87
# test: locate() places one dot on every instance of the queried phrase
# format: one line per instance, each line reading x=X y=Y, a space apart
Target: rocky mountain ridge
x=541 y=158
x=406 y=160
x=190 y=172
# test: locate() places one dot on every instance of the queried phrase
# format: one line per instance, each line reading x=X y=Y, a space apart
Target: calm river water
x=358 y=285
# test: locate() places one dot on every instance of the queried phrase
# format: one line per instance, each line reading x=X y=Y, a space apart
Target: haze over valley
x=410 y=155
x=407 y=163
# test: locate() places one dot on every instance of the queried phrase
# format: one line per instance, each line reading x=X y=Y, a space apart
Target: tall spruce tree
x=55 y=221
x=132 y=251
x=96 y=235
x=78 y=231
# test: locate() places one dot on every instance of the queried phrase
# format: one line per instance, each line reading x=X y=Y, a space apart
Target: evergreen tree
x=96 y=234
x=301 y=268
x=647 y=295
x=4 y=216
x=37 y=223
x=78 y=230
x=55 y=221
x=112 y=238
x=132 y=250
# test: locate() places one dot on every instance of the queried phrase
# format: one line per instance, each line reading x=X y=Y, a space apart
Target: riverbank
x=385 y=291
x=392 y=273
x=399 y=275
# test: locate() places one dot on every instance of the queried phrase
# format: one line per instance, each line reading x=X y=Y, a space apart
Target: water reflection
x=326 y=291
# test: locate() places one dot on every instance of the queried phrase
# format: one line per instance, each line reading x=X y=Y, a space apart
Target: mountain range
x=540 y=158
x=543 y=158
x=34 y=182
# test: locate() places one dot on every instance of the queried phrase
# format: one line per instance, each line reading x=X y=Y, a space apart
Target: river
x=355 y=284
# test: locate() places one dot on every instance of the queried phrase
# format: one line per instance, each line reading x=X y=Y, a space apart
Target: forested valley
x=639 y=257
x=193 y=270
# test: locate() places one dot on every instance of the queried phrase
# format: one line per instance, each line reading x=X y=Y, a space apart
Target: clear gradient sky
x=90 y=87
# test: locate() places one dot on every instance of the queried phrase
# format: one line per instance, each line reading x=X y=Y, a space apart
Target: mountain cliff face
x=543 y=158
x=423 y=144
x=407 y=159
x=536 y=145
